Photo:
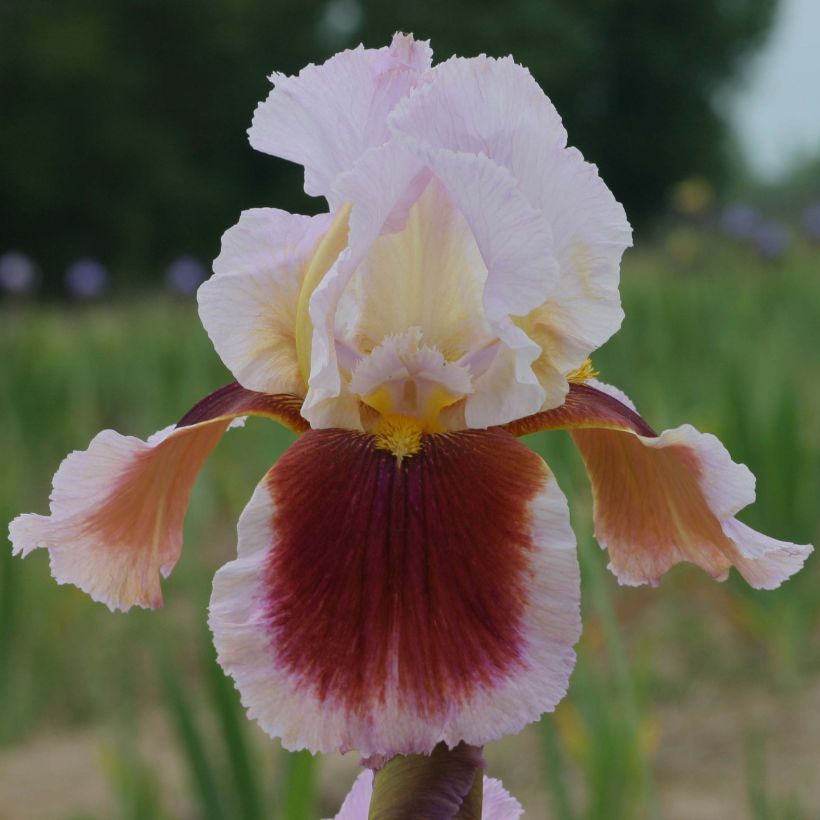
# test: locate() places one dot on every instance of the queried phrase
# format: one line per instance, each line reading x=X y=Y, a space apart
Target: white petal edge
x=551 y=627
x=118 y=559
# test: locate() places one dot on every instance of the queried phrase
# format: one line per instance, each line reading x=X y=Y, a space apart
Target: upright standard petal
x=663 y=499
x=427 y=274
x=329 y=115
x=494 y=107
x=482 y=105
x=328 y=403
x=386 y=605
x=117 y=508
x=516 y=245
x=249 y=306
x=488 y=243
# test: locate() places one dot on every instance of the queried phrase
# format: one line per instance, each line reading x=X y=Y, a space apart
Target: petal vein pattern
x=386 y=606
x=495 y=108
x=117 y=508
x=328 y=116
x=663 y=499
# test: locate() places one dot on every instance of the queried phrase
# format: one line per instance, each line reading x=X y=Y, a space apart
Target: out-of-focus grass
x=731 y=347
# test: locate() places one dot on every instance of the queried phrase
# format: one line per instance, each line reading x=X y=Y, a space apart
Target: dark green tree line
x=122 y=122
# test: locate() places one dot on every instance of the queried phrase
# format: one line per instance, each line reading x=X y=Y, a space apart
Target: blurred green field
x=694 y=700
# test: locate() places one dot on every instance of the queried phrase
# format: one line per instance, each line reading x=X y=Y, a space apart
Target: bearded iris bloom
x=406 y=572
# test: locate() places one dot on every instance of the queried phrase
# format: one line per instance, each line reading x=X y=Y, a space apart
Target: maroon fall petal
x=420 y=591
x=415 y=571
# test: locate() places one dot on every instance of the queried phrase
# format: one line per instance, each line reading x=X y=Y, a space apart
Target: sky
x=776 y=113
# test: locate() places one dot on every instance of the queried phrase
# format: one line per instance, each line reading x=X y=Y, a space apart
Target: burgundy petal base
x=386 y=605
x=410 y=573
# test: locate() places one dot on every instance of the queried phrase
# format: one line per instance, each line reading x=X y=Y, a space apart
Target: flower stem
x=444 y=785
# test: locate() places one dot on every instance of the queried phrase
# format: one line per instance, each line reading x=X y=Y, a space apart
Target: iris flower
x=406 y=572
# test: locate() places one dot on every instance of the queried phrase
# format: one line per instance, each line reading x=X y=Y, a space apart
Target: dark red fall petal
x=386 y=605
x=415 y=570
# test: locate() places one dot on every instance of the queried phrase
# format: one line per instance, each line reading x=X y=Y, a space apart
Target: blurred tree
x=123 y=120
x=637 y=82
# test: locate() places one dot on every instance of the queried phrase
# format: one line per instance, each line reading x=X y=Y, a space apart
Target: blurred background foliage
x=123 y=149
x=123 y=121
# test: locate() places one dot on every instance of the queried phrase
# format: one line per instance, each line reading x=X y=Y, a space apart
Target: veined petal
x=495 y=108
x=497 y=804
x=329 y=115
x=482 y=105
x=115 y=523
x=386 y=605
x=426 y=273
x=249 y=306
x=514 y=239
x=663 y=499
x=328 y=402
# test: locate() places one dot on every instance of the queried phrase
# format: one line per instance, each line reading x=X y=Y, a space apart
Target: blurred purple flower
x=770 y=240
x=18 y=273
x=811 y=221
x=86 y=278
x=184 y=275
x=740 y=221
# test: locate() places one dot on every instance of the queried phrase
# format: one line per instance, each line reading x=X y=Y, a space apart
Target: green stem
x=447 y=784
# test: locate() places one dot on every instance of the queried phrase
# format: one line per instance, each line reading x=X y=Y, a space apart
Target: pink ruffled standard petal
x=497 y=804
x=249 y=306
x=329 y=115
x=495 y=108
x=503 y=257
x=663 y=499
x=386 y=605
x=115 y=524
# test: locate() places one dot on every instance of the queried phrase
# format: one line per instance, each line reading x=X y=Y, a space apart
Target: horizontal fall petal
x=117 y=508
x=663 y=499
x=385 y=605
